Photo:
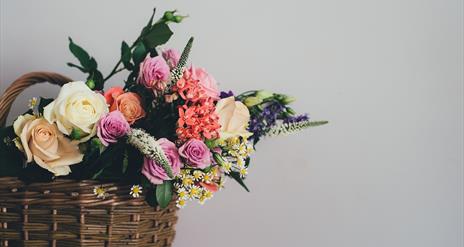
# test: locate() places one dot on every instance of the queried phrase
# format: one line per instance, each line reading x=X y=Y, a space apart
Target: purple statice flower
x=226 y=94
x=261 y=123
x=296 y=119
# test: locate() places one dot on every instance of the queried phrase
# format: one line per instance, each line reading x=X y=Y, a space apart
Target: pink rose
x=206 y=81
x=155 y=172
x=172 y=57
x=112 y=126
x=196 y=153
x=154 y=72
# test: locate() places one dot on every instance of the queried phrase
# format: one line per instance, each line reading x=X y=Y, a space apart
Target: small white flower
x=243 y=172
x=180 y=203
x=227 y=166
x=100 y=192
x=195 y=192
x=182 y=193
x=32 y=103
x=135 y=191
x=197 y=175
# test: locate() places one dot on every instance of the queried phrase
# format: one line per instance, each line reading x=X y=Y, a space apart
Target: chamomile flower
x=207 y=194
x=32 y=103
x=197 y=175
x=184 y=172
x=187 y=180
x=227 y=166
x=222 y=181
x=241 y=163
x=243 y=172
x=180 y=203
x=208 y=177
x=100 y=192
x=182 y=193
x=135 y=191
x=195 y=192
x=202 y=200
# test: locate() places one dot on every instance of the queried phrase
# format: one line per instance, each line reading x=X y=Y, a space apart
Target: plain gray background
x=387 y=171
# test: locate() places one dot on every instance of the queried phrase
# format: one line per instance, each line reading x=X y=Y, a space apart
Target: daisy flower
x=100 y=192
x=180 y=203
x=135 y=191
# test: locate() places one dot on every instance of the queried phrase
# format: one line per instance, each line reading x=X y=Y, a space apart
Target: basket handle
x=24 y=82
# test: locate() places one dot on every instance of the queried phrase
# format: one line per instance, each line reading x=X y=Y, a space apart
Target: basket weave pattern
x=67 y=212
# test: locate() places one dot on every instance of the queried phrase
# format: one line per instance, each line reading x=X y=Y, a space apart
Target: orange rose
x=112 y=93
x=130 y=105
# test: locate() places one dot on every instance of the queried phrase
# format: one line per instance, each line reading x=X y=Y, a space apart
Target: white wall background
x=387 y=171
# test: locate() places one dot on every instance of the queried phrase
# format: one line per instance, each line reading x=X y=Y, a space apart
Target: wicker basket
x=67 y=213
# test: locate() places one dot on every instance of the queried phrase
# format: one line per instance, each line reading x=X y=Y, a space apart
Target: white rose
x=233 y=118
x=76 y=107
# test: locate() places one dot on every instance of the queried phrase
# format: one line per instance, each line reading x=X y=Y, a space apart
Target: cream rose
x=233 y=118
x=76 y=107
x=43 y=143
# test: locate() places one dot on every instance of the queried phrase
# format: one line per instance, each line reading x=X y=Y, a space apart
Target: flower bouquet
x=168 y=133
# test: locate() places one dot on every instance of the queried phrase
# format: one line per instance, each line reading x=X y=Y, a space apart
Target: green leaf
x=80 y=54
x=97 y=77
x=76 y=134
x=145 y=182
x=77 y=66
x=146 y=29
x=158 y=35
x=236 y=177
x=164 y=193
x=96 y=144
x=125 y=55
x=42 y=103
x=139 y=53
x=125 y=162
x=150 y=197
x=12 y=160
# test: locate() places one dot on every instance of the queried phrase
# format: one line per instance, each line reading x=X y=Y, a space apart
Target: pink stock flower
x=206 y=81
x=112 y=126
x=154 y=171
x=154 y=73
x=196 y=153
x=172 y=57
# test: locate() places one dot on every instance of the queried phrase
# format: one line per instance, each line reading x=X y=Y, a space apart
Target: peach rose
x=112 y=93
x=130 y=105
x=233 y=118
x=46 y=145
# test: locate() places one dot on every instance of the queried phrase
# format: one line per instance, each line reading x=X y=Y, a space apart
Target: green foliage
x=139 y=54
x=151 y=36
x=11 y=159
x=150 y=197
x=158 y=35
x=88 y=64
x=42 y=103
x=236 y=176
x=126 y=55
x=164 y=193
x=76 y=134
x=125 y=162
